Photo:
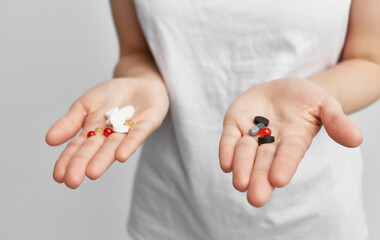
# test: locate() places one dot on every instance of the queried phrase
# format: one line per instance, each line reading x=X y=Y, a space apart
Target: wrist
x=137 y=65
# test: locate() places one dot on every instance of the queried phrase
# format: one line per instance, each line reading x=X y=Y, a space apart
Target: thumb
x=338 y=126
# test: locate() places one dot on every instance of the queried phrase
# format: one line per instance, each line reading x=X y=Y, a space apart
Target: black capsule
x=266 y=139
x=260 y=119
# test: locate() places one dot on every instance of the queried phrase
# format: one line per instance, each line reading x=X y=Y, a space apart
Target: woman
x=217 y=62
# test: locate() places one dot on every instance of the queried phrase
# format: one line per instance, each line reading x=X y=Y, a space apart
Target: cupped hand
x=296 y=109
x=93 y=156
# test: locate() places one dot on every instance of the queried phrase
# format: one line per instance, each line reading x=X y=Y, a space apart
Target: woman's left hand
x=296 y=109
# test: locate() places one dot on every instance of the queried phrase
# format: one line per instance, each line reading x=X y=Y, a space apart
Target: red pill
x=265 y=132
x=90 y=134
x=107 y=131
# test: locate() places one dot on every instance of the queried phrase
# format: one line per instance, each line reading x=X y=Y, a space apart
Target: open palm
x=94 y=155
x=296 y=109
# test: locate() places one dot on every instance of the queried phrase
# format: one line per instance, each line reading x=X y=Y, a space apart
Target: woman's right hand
x=93 y=156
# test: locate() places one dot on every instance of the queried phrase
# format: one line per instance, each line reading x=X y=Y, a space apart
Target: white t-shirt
x=209 y=52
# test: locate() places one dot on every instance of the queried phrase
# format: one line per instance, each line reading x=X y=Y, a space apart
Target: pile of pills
x=120 y=119
x=262 y=130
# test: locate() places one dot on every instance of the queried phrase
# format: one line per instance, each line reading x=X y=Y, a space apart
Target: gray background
x=50 y=53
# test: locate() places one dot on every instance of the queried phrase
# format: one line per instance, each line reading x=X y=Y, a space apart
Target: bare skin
x=93 y=156
x=296 y=108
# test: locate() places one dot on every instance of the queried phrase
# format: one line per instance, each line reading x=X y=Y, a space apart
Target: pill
x=265 y=132
x=90 y=134
x=117 y=118
x=256 y=129
x=266 y=139
x=108 y=122
x=127 y=112
x=98 y=131
x=261 y=119
x=111 y=111
x=130 y=123
x=121 y=129
x=107 y=132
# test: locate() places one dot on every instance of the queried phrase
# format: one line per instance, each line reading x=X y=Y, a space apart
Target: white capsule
x=117 y=118
x=121 y=128
x=108 y=122
x=111 y=111
x=128 y=111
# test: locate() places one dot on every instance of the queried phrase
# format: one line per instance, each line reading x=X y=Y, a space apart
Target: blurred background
x=50 y=53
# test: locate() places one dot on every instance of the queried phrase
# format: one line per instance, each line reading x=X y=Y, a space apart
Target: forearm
x=138 y=65
x=355 y=83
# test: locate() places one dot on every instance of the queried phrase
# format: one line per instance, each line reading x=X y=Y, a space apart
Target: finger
x=64 y=159
x=260 y=189
x=68 y=126
x=234 y=125
x=338 y=126
x=137 y=135
x=104 y=157
x=290 y=152
x=76 y=168
x=230 y=136
x=243 y=162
